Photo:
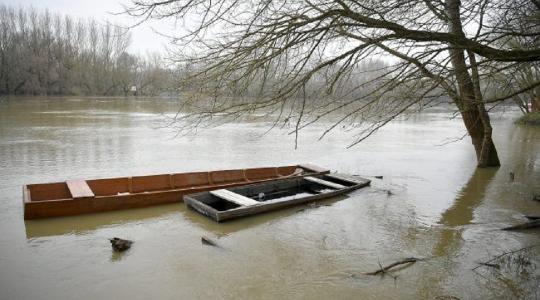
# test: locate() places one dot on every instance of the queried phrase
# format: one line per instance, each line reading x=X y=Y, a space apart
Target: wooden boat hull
x=213 y=206
x=99 y=195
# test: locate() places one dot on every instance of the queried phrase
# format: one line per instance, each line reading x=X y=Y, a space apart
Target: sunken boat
x=75 y=197
x=229 y=203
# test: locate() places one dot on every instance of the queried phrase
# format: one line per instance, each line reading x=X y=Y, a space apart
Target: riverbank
x=530 y=119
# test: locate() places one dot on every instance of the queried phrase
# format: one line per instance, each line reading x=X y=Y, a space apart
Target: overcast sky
x=143 y=37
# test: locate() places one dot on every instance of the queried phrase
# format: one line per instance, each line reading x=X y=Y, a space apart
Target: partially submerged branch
x=535 y=223
x=385 y=269
x=489 y=263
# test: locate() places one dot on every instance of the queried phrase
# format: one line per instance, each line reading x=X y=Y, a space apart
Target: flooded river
x=432 y=203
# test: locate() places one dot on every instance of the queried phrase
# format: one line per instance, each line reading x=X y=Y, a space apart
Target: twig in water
x=496 y=266
x=384 y=270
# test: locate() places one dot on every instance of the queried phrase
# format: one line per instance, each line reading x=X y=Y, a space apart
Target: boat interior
x=275 y=191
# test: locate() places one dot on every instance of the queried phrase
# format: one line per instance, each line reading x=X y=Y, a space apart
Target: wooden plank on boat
x=314 y=168
x=351 y=178
x=234 y=197
x=324 y=182
x=79 y=189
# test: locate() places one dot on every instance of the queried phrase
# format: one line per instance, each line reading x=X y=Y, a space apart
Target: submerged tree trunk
x=470 y=102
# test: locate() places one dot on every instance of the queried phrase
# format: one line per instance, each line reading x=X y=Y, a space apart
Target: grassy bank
x=530 y=119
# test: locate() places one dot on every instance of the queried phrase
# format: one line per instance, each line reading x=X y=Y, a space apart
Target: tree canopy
x=285 y=55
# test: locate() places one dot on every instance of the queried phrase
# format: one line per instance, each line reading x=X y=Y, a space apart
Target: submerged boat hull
x=99 y=195
x=263 y=197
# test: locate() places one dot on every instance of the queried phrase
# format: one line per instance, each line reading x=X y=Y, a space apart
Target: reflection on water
x=86 y=223
x=436 y=209
x=462 y=210
x=118 y=256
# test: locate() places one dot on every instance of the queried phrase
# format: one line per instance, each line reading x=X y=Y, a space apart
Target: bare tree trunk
x=488 y=156
x=469 y=102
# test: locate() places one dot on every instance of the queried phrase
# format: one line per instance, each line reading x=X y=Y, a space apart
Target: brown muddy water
x=440 y=208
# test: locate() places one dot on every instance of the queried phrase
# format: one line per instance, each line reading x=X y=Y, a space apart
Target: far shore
x=530 y=119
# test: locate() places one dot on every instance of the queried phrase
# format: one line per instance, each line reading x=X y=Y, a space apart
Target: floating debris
x=207 y=241
x=120 y=245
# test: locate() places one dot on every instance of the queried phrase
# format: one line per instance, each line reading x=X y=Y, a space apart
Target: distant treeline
x=50 y=54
